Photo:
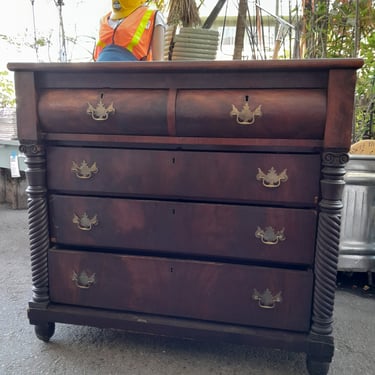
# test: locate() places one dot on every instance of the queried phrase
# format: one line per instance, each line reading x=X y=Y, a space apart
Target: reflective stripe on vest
x=140 y=30
x=100 y=44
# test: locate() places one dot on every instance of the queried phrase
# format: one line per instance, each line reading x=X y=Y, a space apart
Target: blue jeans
x=112 y=52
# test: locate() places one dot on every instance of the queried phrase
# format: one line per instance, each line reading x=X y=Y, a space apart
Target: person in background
x=130 y=32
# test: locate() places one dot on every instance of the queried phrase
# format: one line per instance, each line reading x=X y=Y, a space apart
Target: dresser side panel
x=340 y=108
x=26 y=97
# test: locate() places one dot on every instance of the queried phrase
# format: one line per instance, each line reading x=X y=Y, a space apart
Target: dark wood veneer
x=171 y=242
x=190 y=289
x=204 y=229
x=216 y=176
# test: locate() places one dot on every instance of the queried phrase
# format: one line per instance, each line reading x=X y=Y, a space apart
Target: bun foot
x=45 y=331
x=315 y=367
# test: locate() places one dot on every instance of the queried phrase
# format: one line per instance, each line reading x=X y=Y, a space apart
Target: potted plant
x=185 y=38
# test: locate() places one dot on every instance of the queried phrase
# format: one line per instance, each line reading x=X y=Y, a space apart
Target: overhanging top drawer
x=230 y=113
x=266 y=113
x=103 y=111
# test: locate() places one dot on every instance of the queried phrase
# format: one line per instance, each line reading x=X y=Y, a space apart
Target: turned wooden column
x=328 y=238
x=38 y=221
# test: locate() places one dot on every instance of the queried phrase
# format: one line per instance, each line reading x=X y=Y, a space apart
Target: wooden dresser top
x=300 y=100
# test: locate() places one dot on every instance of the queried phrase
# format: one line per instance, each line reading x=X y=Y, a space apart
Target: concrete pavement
x=92 y=351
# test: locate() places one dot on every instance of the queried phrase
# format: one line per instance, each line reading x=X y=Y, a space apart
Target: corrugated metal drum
x=357 y=240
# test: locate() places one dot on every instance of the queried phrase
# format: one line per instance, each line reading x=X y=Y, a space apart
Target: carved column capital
x=335 y=159
x=32 y=149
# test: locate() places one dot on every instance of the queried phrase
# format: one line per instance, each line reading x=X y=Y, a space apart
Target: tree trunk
x=213 y=15
x=240 y=30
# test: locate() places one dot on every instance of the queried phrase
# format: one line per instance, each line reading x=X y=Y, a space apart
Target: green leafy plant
x=339 y=28
x=365 y=93
x=7 y=95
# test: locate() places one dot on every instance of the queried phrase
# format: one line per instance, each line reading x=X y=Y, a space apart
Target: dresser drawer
x=230 y=231
x=253 y=113
x=215 y=176
x=265 y=297
x=142 y=112
x=277 y=113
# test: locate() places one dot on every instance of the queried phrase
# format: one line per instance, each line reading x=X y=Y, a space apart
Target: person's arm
x=157 y=44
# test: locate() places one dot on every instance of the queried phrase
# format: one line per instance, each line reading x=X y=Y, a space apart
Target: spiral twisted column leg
x=38 y=221
x=326 y=258
x=328 y=238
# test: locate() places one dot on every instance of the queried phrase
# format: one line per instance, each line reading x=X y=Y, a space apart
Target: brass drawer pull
x=246 y=116
x=272 y=179
x=100 y=112
x=83 y=171
x=84 y=222
x=267 y=300
x=83 y=281
x=270 y=236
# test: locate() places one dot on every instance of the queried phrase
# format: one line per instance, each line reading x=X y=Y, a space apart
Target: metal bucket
x=357 y=237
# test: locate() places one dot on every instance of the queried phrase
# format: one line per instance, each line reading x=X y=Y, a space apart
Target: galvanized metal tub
x=357 y=237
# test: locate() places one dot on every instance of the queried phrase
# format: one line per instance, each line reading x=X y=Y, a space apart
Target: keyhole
x=247 y=98
x=173 y=160
x=171 y=269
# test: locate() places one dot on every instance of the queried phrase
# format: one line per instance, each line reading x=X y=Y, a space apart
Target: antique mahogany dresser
x=198 y=200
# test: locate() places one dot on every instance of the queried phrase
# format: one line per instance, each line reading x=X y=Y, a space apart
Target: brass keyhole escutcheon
x=272 y=179
x=84 y=222
x=246 y=116
x=84 y=171
x=267 y=300
x=270 y=236
x=83 y=280
x=100 y=112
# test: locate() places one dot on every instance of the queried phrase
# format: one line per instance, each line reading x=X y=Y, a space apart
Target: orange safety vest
x=133 y=33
